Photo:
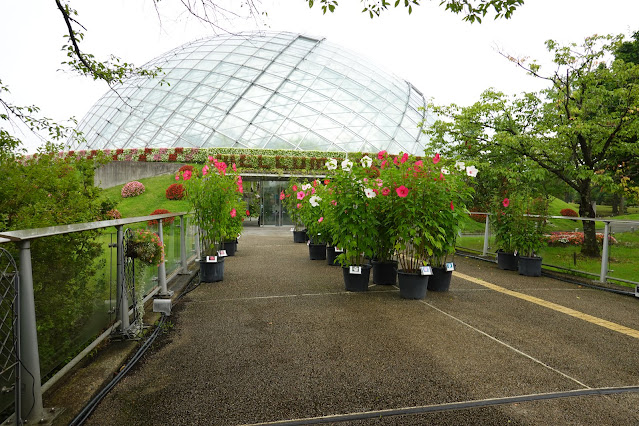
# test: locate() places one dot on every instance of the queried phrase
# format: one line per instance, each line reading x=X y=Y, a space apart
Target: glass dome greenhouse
x=260 y=90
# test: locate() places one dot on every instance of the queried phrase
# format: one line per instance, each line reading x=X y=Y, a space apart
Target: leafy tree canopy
x=587 y=116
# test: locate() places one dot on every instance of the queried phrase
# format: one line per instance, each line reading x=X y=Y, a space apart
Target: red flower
x=326 y=181
x=381 y=155
x=282 y=195
x=404 y=158
x=248 y=213
x=294 y=187
x=385 y=191
x=233 y=212
x=383 y=164
x=402 y=191
x=451 y=206
x=506 y=202
x=436 y=158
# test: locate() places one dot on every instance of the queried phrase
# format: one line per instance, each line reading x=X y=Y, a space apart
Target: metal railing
x=30 y=367
x=605 y=252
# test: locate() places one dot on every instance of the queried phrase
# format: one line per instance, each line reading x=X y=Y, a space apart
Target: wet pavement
x=280 y=339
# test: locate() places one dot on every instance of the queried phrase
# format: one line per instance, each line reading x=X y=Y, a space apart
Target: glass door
x=273 y=211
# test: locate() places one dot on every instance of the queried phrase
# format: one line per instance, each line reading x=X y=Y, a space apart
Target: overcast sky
x=445 y=57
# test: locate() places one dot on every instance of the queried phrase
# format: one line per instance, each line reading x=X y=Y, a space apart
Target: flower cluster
x=216 y=198
x=133 y=189
x=146 y=246
x=165 y=221
x=573 y=238
x=175 y=191
x=397 y=205
x=114 y=214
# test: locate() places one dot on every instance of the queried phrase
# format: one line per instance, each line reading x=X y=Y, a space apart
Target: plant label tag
x=222 y=253
x=211 y=259
x=339 y=250
x=238 y=236
x=450 y=266
x=355 y=270
x=426 y=270
x=292 y=229
x=515 y=253
x=308 y=243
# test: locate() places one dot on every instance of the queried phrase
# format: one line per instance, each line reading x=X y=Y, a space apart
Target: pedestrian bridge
x=279 y=341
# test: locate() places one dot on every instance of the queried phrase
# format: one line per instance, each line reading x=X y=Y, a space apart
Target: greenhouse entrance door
x=273 y=210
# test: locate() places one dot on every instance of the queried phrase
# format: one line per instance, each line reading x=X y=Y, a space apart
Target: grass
x=623 y=257
x=153 y=198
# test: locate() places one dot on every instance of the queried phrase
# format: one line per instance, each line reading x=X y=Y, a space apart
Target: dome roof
x=274 y=90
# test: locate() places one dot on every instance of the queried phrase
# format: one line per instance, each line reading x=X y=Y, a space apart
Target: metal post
x=486 y=235
x=122 y=299
x=185 y=269
x=162 y=268
x=31 y=391
x=604 y=253
x=198 y=254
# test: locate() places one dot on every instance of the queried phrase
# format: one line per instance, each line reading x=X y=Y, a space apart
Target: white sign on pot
x=450 y=266
x=222 y=253
x=426 y=270
x=211 y=259
x=355 y=270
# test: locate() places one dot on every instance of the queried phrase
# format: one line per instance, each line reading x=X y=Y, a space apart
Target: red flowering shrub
x=167 y=221
x=569 y=212
x=194 y=171
x=172 y=157
x=481 y=218
x=175 y=191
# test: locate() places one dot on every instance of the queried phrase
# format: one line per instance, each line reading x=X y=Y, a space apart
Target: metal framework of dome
x=260 y=90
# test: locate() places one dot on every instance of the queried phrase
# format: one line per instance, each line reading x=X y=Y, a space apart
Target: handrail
x=30 y=234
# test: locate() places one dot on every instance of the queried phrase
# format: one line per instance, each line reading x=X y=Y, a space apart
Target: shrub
x=194 y=171
x=569 y=212
x=175 y=191
x=573 y=238
x=133 y=189
x=114 y=214
x=166 y=221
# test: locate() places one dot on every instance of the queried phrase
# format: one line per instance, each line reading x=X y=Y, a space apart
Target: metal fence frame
x=603 y=275
x=32 y=388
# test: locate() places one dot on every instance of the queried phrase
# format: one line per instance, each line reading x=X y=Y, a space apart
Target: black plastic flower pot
x=507 y=261
x=230 y=247
x=299 y=236
x=412 y=285
x=211 y=272
x=357 y=282
x=385 y=273
x=317 y=251
x=440 y=280
x=331 y=256
x=530 y=266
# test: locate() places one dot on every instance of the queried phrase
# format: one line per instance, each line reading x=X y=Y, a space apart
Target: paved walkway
x=279 y=339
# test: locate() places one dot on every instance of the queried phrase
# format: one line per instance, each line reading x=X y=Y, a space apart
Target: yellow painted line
x=555 y=307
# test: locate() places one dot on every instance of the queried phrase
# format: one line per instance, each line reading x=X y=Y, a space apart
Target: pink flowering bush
x=558 y=239
x=114 y=214
x=132 y=189
x=216 y=197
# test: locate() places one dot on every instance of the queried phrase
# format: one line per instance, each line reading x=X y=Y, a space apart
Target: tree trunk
x=590 y=247
x=616 y=204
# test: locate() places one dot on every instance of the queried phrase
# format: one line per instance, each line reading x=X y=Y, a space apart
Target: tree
x=589 y=113
x=473 y=10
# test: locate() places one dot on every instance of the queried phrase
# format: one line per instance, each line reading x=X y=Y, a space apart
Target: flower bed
x=558 y=239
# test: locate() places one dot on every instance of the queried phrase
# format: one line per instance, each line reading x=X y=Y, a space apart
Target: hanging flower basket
x=146 y=247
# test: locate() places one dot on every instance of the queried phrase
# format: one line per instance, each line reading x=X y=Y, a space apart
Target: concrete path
x=280 y=339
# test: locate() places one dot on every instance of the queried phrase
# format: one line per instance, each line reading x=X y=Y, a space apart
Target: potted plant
x=214 y=198
x=145 y=246
x=528 y=232
x=311 y=212
x=503 y=223
x=431 y=198
x=355 y=227
x=293 y=206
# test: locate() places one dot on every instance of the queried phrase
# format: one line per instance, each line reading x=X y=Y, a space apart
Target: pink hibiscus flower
x=402 y=191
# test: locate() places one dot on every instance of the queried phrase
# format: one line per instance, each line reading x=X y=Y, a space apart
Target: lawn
x=623 y=258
